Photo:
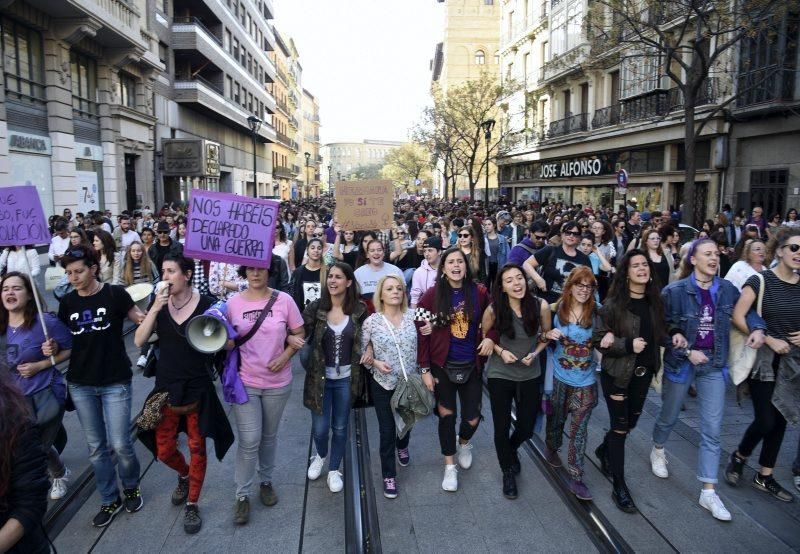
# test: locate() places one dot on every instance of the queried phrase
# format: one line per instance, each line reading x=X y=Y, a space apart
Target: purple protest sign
x=229 y=228
x=22 y=220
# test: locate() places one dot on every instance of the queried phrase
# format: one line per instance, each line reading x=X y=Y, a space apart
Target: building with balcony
x=764 y=141
x=342 y=160
x=591 y=108
x=219 y=69
x=310 y=128
x=77 y=112
x=283 y=151
x=470 y=46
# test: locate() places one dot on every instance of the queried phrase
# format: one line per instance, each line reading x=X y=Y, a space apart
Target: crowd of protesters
x=547 y=300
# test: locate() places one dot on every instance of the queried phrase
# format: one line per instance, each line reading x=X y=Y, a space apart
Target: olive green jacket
x=315 y=322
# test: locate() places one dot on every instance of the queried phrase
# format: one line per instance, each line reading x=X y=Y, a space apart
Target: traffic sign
x=418 y=182
x=622 y=179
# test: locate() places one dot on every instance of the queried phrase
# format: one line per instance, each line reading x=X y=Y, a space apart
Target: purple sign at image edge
x=229 y=228
x=22 y=220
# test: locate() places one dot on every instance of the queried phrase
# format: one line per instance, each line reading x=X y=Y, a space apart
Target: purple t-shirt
x=463 y=336
x=705 y=331
x=25 y=345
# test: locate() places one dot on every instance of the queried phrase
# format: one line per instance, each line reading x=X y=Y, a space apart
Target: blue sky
x=366 y=60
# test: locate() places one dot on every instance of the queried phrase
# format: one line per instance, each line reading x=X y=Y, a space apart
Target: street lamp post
x=254 y=123
x=487 y=125
x=308 y=185
x=330 y=179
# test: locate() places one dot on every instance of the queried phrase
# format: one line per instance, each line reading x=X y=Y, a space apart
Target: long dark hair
x=351 y=295
x=109 y=246
x=361 y=258
x=504 y=316
x=30 y=308
x=443 y=297
x=15 y=417
x=619 y=297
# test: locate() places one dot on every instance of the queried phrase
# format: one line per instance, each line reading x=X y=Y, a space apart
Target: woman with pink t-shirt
x=265 y=368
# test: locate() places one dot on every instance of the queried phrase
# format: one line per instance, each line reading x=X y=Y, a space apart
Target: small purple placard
x=230 y=228
x=22 y=221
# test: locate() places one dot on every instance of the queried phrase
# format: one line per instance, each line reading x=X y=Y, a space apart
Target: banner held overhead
x=230 y=228
x=364 y=205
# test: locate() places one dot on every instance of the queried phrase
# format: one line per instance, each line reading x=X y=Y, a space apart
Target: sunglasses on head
x=793 y=247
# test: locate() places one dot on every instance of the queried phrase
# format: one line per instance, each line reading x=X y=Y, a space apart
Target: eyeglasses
x=583 y=286
x=464 y=235
x=792 y=247
x=571 y=233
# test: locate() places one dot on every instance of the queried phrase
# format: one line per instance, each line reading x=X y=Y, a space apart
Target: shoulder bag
x=741 y=357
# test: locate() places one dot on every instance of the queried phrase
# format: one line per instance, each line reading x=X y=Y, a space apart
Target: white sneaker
x=450 y=481
x=59 y=488
x=315 y=467
x=142 y=361
x=711 y=502
x=465 y=455
x=335 y=480
x=658 y=462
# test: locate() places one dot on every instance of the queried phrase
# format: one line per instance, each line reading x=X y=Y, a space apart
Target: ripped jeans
x=624 y=414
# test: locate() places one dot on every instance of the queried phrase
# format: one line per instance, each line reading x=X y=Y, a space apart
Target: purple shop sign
x=230 y=228
x=22 y=221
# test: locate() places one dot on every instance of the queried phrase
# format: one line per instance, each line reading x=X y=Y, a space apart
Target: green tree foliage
x=407 y=163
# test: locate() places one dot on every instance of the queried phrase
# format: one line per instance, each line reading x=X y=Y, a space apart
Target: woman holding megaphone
x=183 y=373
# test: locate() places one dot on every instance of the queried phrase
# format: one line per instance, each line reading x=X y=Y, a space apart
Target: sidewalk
x=158 y=527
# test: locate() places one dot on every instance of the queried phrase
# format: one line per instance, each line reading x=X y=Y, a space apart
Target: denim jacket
x=682 y=308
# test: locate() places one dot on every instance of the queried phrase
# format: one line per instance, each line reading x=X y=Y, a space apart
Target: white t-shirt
x=368 y=278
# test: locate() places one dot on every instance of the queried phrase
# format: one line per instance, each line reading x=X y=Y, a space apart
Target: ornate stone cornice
x=73 y=30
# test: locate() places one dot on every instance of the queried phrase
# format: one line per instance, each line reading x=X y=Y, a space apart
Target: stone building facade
x=590 y=108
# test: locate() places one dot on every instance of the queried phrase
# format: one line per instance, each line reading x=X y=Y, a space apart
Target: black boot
x=622 y=496
x=602 y=455
x=515 y=465
x=509 y=484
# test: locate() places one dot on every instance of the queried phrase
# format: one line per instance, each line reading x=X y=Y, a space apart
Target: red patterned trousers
x=168 y=453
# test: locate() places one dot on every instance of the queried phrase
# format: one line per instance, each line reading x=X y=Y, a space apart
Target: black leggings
x=469 y=393
x=527 y=398
x=623 y=415
x=768 y=426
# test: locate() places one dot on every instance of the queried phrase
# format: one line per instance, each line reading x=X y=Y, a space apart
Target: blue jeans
x=105 y=415
x=710 y=384
x=335 y=417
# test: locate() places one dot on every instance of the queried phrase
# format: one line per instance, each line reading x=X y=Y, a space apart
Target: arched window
x=480 y=57
x=497 y=58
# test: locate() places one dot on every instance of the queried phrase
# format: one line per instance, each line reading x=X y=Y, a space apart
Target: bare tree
x=691 y=43
x=453 y=126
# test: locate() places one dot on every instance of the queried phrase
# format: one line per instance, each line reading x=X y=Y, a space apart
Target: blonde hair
x=145 y=266
x=377 y=301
